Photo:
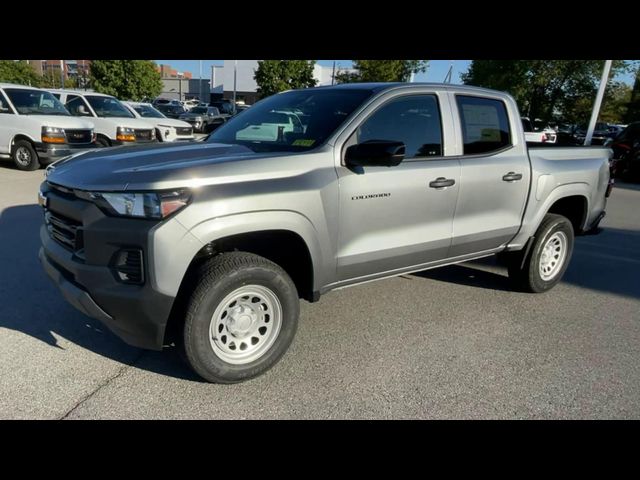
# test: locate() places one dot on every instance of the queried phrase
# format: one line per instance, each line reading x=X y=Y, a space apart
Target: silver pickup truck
x=211 y=245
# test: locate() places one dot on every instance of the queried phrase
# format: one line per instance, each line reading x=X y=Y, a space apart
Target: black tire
x=218 y=278
x=24 y=156
x=526 y=275
x=102 y=142
x=159 y=135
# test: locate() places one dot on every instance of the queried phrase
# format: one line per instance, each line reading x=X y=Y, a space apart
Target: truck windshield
x=108 y=107
x=35 y=102
x=146 y=111
x=199 y=110
x=293 y=121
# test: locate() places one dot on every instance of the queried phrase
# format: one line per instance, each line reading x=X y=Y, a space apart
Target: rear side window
x=485 y=124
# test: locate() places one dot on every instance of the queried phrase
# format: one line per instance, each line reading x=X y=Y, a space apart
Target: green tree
x=382 y=71
x=126 y=79
x=544 y=88
x=20 y=72
x=273 y=76
x=51 y=79
x=633 y=108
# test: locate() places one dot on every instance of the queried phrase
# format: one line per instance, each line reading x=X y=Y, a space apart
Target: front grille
x=184 y=130
x=64 y=230
x=78 y=136
x=128 y=266
x=143 y=135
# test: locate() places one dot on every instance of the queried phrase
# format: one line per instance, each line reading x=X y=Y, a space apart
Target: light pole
x=200 y=80
x=235 y=77
x=596 y=106
x=61 y=73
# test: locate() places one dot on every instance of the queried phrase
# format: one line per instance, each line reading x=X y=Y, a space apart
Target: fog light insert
x=129 y=266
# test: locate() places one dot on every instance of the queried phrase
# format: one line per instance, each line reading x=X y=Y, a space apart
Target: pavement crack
x=108 y=381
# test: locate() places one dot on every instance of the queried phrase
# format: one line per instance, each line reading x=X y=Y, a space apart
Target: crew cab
x=211 y=245
x=36 y=129
x=167 y=129
x=114 y=123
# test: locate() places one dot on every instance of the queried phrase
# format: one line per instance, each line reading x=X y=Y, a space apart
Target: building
x=186 y=89
x=222 y=79
x=71 y=69
x=167 y=72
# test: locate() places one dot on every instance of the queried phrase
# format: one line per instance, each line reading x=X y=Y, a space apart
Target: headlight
x=155 y=205
x=53 y=135
x=126 y=134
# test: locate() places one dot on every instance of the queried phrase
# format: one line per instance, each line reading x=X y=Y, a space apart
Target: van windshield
x=293 y=121
x=108 y=107
x=35 y=102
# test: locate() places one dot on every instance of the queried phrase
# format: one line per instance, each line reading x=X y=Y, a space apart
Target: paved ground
x=449 y=343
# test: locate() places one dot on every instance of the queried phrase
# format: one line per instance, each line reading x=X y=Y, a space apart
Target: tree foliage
x=19 y=72
x=546 y=89
x=382 y=71
x=126 y=79
x=273 y=76
x=633 y=110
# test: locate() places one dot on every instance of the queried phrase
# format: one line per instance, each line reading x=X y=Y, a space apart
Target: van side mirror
x=82 y=111
x=375 y=153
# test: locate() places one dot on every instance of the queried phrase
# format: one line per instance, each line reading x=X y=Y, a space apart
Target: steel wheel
x=23 y=156
x=245 y=324
x=553 y=256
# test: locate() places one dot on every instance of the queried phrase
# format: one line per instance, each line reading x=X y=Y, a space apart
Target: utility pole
x=596 y=106
x=61 y=73
x=235 y=79
x=333 y=74
x=200 y=81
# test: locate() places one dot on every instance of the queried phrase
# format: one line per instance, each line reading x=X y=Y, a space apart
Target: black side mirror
x=375 y=153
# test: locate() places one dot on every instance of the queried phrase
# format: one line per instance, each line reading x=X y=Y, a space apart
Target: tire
x=159 y=136
x=539 y=273
x=240 y=319
x=24 y=156
x=102 y=142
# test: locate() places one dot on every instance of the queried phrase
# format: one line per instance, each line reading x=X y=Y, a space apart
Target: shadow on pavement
x=626 y=186
x=30 y=303
x=609 y=262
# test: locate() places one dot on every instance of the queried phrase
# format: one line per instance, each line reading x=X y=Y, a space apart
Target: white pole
x=235 y=76
x=200 y=81
x=61 y=73
x=596 y=106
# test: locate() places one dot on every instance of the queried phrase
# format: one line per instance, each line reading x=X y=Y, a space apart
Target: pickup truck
x=210 y=246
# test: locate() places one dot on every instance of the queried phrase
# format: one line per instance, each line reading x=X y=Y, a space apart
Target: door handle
x=442 y=182
x=512 y=177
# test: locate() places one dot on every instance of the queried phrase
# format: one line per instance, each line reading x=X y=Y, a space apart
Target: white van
x=114 y=123
x=36 y=129
x=167 y=129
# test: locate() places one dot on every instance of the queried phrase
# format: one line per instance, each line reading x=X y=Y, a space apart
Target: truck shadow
x=30 y=303
x=609 y=262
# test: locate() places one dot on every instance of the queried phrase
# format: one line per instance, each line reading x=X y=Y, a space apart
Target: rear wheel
x=548 y=257
x=240 y=319
x=25 y=156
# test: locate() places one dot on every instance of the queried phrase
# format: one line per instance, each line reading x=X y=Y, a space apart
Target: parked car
x=36 y=129
x=204 y=119
x=533 y=135
x=165 y=101
x=213 y=244
x=171 y=111
x=241 y=108
x=167 y=129
x=626 y=153
x=225 y=106
x=114 y=123
x=189 y=104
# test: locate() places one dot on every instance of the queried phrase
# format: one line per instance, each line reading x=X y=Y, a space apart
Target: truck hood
x=150 y=167
x=170 y=122
x=61 y=121
x=192 y=116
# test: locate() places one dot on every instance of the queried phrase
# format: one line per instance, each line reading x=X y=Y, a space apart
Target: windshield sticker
x=303 y=142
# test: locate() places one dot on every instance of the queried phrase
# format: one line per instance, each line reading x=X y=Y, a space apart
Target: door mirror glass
x=375 y=153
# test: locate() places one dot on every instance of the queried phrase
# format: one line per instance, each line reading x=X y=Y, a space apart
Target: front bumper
x=55 y=151
x=137 y=313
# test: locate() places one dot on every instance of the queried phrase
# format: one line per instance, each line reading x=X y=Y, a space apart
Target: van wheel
x=25 y=156
x=240 y=319
x=102 y=142
x=548 y=257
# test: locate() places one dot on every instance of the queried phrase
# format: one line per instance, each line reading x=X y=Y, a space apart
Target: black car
x=171 y=111
x=225 y=106
x=625 y=164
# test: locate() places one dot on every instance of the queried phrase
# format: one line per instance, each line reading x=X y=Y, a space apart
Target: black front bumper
x=55 y=151
x=138 y=314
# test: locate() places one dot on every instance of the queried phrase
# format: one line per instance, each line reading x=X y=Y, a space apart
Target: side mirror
x=375 y=153
x=82 y=111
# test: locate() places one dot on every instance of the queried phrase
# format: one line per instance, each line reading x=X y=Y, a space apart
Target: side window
x=4 y=105
x=485 y=124
x=76 y=105
x=413 y=120
x=57 y=95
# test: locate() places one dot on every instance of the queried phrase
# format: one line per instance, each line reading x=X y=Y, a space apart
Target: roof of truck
x=380 y=86
x=15 y=85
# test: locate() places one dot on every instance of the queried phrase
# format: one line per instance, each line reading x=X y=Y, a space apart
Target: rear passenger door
x=495 y=175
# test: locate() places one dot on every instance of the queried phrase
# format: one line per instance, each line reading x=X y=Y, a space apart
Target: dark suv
x=626 y=153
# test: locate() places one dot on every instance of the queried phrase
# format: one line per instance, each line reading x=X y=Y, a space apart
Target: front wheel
x=548 y=257
x=240 y=319
x=25 y=156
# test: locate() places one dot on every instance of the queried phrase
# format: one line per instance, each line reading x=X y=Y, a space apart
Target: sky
x=436 y=72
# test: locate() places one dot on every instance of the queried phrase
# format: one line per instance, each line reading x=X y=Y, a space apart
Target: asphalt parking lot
x=447 y=343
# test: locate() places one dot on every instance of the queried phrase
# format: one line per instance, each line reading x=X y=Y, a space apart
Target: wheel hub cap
x=245 y=324
x=553 y=256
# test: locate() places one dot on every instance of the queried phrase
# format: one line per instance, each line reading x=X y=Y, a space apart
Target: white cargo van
x=114 y=123
x=36 y=129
